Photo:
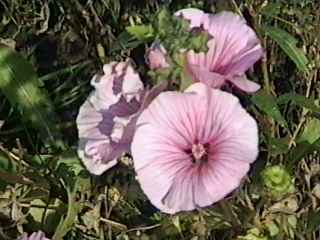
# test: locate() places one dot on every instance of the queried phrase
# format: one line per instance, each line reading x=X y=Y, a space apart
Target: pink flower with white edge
x=106 y=120
x=192 y=149
x=233 y=49
x=34 y=236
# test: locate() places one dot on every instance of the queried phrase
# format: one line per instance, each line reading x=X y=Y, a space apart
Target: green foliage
x=299 y=100
x=288 y=45
x=141 y=32
x=268 y=104
x=301 y=150
x=311 y=131
x=80 y=184
x=7 y=164
x=19 y=83
x=173 y=32
x=253 y=234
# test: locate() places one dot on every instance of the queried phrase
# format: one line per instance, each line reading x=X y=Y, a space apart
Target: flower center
x=199 y=153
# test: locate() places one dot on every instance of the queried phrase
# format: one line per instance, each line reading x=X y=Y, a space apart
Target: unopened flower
x=107 y=118
x=34 y=236
x=278 y=181
x=233 y=49
x=157 y=56
x=191 y=149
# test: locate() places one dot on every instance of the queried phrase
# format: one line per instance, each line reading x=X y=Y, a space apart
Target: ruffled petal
x=107 y=118
x=34 y=236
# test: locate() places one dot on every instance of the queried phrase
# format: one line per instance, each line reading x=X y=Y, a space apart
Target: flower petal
x=244 y=84
x=107 y=118
x=233 y=49
x=34 y=236
x=194 y=15
x=167 y=130
x=196 y=68
x=234 y=42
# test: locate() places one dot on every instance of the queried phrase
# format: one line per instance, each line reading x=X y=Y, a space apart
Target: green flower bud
x=278 y=181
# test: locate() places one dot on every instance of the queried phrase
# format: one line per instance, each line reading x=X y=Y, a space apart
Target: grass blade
x=288 y=44
x=19 y=83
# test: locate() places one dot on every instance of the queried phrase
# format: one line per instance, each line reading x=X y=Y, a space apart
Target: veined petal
x=170 y=175
x=233 y=49
x=244 y=84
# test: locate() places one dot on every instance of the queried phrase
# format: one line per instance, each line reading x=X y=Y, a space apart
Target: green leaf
x=19 y=83
x=271 y=9
x=288 y=44
x=301 y=150
x=164 y=18
x=8 y=170
x=277 y=146
x=44 y=216
x=273 y=229
x=299 y=100
x=268 y=104
x=141 y=32
x=80 y=185
x=124 y=41
x=311 y=131
x=313 y=222
x=185 y=78
x=7 y=164
x=71 y=161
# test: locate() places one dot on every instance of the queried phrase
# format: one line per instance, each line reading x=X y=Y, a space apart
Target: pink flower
x=191 y=149
x=34 y=236
x=233 y=49
x=157 y=57
x=106 y=120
